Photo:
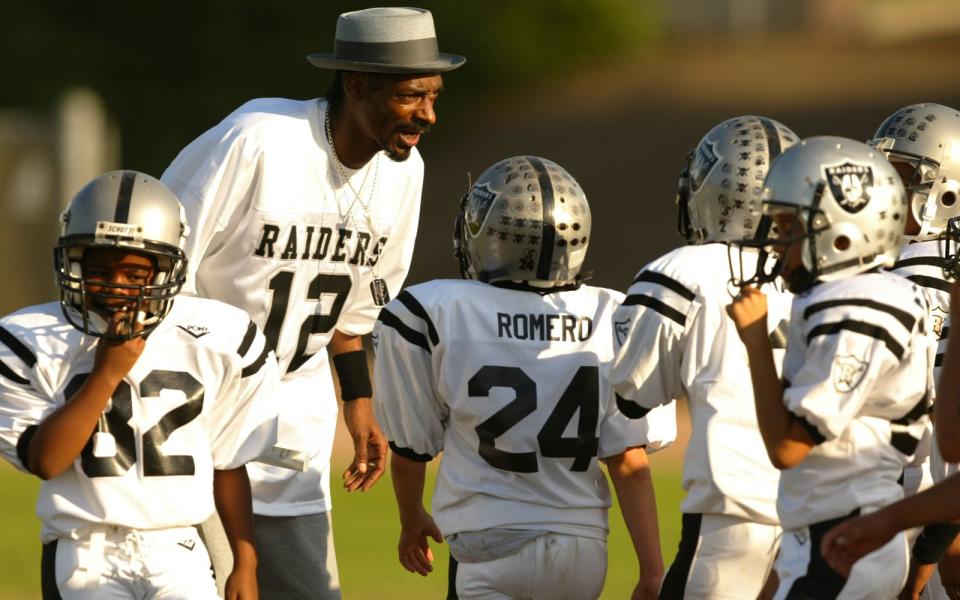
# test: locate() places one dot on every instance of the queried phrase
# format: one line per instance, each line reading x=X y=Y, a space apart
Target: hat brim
x=447 y=62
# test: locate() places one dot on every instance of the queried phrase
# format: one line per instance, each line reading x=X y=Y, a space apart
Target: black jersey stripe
x=18 y=347
x=248 y=338
x=23 y=445
x=916 y=413
x=773 y=139
x=9 y=374
x=930 y=282
x=665 y=281
x=862 y=328
x=913 y=261
x=258 y=363
x=657 y=305
x=815 y=435
x=905 y=318
x=944 y=332
x=122 y=213
x=548 y=238
x=414 y=337
x=904 y=442
x=414 y=306
x=410 y=454
x=631 y=409
x=938 y=360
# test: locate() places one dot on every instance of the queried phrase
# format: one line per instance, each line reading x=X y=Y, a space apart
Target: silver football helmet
x=524 y=219
x=720 y=188
x=850 y=202
x=927 y=138
x=127 y=210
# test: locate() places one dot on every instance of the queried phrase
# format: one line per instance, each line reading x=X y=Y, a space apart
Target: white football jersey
x=674 y=339
x=858 y=375
x=197 y=399
x=273 y=231
x=921 y=263
x=512 y=386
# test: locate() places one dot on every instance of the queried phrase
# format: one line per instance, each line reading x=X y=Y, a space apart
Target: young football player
x=134 y=406
x=853 y=401
x=922 y=141
x=506 y=372
x=674 y=340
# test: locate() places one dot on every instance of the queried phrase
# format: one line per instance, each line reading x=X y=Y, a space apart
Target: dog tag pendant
x=379 y=291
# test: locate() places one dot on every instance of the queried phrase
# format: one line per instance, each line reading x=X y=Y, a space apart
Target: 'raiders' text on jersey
x=316 y=243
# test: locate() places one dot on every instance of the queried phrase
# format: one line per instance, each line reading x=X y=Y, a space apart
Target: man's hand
x=648 y=588
x=851 y=540
x=949 y=569
x=749 y=313
x=917 y=578
x=242 y=585
x=414 y=549
x=369 y=446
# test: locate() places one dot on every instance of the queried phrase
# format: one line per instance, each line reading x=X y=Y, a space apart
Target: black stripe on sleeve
x=7 y=372
x=905 y=318
x=410 y=454
x=548 y=228
x=938 y=360
x=248 y=338
x=920 y=409
x=817 y=437
x=657 y=305
x=391 y=320
x=667 y=282
x=944 y=332
x=123 y=196
x=930 y=261
x=904 y=442
x=18 y=347
x=23 y=445
x=859 y=327
x=930 y=282
x=257 y=364
x=631 y=409
x=414 y=306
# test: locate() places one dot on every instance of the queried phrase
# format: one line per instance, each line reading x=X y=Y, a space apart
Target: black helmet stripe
x=549 y=227
x=773 y=139
x=123 y=196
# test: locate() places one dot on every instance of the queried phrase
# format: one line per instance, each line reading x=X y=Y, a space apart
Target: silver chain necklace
x=378 y=287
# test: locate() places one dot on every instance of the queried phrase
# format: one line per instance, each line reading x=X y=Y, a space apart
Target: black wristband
x=353 y=374
x=933 y=541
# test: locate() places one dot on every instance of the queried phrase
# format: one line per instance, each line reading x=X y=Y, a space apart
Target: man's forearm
x=632 y=480
x=231 y=492
x=408 y=481
x=946 y=410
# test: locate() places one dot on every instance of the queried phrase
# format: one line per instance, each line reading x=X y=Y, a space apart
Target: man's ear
x=356 y=85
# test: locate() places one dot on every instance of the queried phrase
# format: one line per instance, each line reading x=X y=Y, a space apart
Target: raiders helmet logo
x=851 y=185
x=847 y=373
x=703 y=162
x=478 y=206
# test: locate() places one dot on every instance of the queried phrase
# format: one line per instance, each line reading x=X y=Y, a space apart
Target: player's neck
x=354 y=148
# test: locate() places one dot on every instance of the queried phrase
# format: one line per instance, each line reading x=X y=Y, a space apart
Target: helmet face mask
x=926 y=139
x=721 y=184
x=129 y=213
x=950 y=249
x=524 y=219
x=850 y=206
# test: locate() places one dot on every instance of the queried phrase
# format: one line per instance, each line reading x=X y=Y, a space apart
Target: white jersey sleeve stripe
x=905 y=318
x=414 y=306
x=859 y=327
x=657 y=305
x=18 y=347
x=667 y=282
x=414 y=337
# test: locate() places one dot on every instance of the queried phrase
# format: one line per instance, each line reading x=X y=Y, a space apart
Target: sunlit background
x=616 y=91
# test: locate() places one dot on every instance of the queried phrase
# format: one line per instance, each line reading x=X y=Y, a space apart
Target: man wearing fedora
x=304 y=213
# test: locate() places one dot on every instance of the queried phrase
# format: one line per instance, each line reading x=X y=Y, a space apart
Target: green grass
x=366 y=530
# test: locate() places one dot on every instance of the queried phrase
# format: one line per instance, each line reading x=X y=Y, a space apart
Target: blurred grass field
x=365 y=529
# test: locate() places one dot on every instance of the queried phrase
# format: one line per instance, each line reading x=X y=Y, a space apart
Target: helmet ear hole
x=841 y=243
x=948 y=198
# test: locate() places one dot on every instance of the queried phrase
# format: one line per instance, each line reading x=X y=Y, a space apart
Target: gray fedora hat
x=386 y=40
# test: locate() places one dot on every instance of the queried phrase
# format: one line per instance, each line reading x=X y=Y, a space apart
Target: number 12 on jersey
x=582 y=393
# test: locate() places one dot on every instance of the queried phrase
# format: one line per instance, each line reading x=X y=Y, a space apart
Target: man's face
x=397 y=109
x=105 y=270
